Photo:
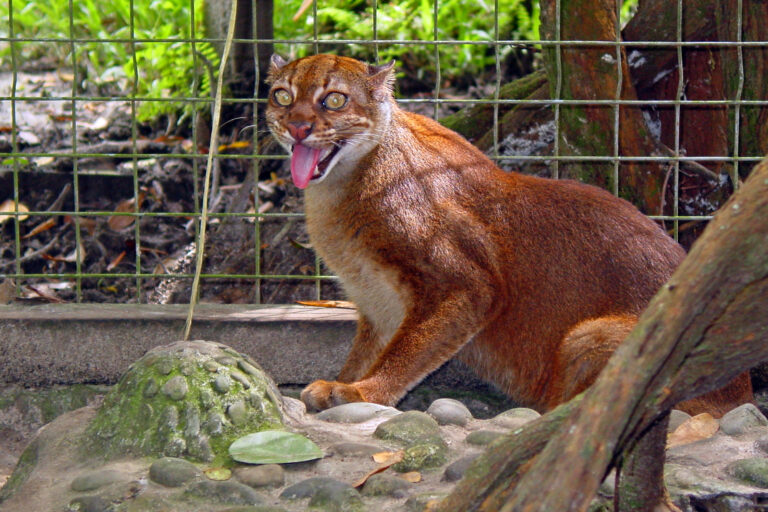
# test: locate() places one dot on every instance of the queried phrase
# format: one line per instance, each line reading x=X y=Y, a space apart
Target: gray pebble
x=172 y=472
x=97 y=478
x=191 y=421
x=176 y=388
x=151 y=388
x=222 y=383
x=409 y=428
x=90 y=504
x=741 y=419
x=228 y=491
x=175 y=447
x=267 y=475
x=248 y=368
x=214 y=425
x=762 y=444
x=242 y=379
x=482 y=437
x=354 y=449
x=455 y=471
x=164 y=365
x=515 y=418
x=420 y=502
x=206 y=398
x=677 y=418
x=385 y=485
x=309 y=487
x=255 y=508
x=237 y=412
x=448 y=411
x=356 y=412
x=333 y=499
x=422 y=456
x=187 y=367
x=169 y=418
x=753 y=471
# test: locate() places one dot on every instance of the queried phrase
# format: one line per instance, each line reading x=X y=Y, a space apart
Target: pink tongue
x=303 y=163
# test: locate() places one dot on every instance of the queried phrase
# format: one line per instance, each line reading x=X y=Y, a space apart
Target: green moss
x=169 y=403
x=23 y=469
x=422 y=456
x=472 y=122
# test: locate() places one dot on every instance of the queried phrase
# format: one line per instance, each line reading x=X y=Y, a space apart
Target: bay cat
x=532 y=282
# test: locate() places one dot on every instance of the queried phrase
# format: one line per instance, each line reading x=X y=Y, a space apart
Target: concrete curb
x=95 y=343
x=75 y=343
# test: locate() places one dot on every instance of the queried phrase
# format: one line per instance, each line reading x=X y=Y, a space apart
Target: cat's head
x=327 y=111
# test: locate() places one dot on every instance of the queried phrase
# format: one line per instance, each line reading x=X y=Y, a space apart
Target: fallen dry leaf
x=115 y=262
x=73 y=256
x=701 y=426
x=43 y=226
x=218 y=474
x=9 y=206
x=120 y=222
x=386 y=460
x=44 y=294
x=234 y=145
x=88 y=223
x=413 y=477
x=388 y=457
x=329 y=304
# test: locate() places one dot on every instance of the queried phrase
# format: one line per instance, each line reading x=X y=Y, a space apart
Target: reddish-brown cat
x=532 y=282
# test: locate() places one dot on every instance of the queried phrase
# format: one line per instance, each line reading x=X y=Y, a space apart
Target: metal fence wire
x=101 y=168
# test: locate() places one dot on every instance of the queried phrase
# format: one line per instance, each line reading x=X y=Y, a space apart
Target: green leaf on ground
x=274 y=447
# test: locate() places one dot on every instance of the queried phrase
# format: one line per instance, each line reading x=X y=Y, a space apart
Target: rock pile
x=375 y=458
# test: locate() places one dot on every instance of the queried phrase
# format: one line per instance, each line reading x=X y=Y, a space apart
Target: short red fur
x=532 y=282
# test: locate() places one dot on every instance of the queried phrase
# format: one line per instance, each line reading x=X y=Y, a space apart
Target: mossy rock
x=187 y=399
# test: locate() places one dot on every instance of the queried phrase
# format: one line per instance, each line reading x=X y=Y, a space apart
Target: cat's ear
x=382 y=79
x=276 y=63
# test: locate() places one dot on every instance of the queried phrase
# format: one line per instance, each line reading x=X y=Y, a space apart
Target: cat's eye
x=282 y=97
x=334 y=101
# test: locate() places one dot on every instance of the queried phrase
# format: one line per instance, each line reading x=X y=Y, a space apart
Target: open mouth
x=309 y=163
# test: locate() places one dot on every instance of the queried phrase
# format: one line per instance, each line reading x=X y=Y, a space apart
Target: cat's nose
x=300 y=130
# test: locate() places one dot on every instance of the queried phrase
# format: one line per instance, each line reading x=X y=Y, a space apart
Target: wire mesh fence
x=101 y=165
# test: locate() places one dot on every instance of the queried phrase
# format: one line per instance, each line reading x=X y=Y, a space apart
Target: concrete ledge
x=95 y=343
x=75 y=343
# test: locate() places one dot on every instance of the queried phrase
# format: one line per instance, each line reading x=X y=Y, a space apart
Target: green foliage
x=147 y=68
x=414 y=20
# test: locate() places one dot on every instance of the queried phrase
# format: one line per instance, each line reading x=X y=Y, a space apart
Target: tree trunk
x=649 y=73
x=599 y=73
x=712 y=313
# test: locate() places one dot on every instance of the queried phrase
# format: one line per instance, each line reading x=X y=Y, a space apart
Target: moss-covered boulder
x=187 y=399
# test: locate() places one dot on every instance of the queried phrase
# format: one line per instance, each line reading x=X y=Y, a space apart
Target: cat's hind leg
x=587 y=347
x=584 y=352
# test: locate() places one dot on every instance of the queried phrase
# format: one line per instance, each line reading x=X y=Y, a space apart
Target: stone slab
x=53 y=344
x=72 y=343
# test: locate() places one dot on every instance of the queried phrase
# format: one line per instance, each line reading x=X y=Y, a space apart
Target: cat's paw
x=323 y=394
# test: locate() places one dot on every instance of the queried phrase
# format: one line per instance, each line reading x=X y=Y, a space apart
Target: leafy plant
x=148 y=68
x=414 y=20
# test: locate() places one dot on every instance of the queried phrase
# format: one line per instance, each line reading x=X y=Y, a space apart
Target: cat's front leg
x=430 y=335
x=365 y=350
